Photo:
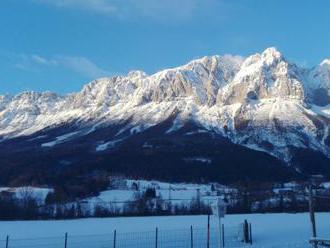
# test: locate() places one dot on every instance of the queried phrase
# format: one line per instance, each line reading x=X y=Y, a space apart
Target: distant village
x=129 y=197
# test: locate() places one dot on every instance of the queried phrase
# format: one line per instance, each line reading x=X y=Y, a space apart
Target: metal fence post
x=312 y=214
x=250 y=225
x=114 y=238
x=66 y=240
x=223 y=235
x=191 y=237
x=208 y=231
x=156 y=244
x=7 y=241
x=246 y=231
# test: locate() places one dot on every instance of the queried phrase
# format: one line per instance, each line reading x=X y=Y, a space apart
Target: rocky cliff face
x=262 y=102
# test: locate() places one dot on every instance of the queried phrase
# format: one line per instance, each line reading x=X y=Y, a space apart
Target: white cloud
x=163 y=10
x=101 y=6
x=40 y=60
x=167 y=9
x=80 y=65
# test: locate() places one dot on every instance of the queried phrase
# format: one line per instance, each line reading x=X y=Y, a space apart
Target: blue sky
x=59 y=45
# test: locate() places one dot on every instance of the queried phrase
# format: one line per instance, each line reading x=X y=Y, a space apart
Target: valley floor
x=269 y=230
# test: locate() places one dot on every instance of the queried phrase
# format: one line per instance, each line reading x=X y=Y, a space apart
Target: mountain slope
x=263 y=102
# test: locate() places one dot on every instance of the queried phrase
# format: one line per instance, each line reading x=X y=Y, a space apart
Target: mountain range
x=218 y=118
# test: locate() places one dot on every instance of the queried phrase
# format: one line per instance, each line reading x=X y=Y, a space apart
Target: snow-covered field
x=176 y=193
x=269 y=230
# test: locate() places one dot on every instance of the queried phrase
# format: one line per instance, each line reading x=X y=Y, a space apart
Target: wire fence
x=181 y=238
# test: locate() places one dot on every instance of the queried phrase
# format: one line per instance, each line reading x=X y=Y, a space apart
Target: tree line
x=144 y=204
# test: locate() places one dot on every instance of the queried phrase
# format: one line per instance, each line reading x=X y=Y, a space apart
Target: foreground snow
x=269 y=230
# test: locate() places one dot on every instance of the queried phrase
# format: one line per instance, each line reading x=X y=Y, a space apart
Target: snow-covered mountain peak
x=271 y=55
x=326 y=63
x=262 y=76
x=137 y=74
x=32 y=98
x=320 y=75
x=253 y=101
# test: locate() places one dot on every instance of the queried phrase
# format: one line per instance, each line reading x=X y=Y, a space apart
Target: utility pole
x=312 y=214
x=199 y=199
x=219 y=210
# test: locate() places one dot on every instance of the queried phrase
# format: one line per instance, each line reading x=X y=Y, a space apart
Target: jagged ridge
x=263 y=102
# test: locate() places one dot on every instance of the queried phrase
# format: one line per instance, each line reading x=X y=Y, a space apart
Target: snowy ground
x=269 y=230
x=179 y=193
